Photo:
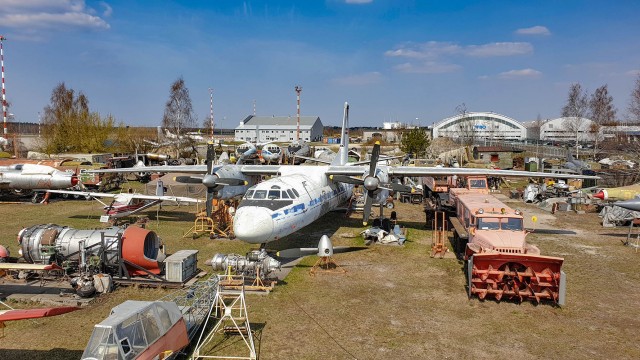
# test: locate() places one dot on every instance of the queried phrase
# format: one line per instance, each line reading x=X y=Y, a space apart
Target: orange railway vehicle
x=500 y=262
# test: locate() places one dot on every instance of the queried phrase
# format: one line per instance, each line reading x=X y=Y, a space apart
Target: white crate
x=181 y=266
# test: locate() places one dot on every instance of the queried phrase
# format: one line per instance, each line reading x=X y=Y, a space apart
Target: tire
x=389 y=205
x=86 y=291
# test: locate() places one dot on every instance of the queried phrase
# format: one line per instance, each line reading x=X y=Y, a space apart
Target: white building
x=480 y=125
x=278 y=128
x=566 y=129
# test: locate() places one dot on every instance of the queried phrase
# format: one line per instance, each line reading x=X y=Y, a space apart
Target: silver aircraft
x=35 y=177
x=298 y=195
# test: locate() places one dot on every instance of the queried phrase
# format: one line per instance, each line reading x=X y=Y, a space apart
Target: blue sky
x=409 y=61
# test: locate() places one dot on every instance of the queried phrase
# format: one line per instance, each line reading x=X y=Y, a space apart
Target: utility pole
x=4 y=97
x=211 y=111
x=298 y=91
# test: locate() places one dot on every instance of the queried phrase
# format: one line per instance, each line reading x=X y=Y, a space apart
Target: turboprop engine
x=138 y=248
x=256 y=263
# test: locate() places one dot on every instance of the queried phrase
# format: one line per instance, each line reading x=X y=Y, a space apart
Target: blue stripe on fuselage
x=314 y=202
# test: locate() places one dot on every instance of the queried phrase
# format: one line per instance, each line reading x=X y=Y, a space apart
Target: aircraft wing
x=193 y=169
x=19 y=314
x=83 y=193
x=166 y=198
x=444 y=171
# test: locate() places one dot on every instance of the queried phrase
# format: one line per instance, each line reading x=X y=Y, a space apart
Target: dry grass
x=393 y=303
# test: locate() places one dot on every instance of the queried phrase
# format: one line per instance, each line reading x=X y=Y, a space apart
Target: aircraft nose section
x=253 y=225
x=602 y=195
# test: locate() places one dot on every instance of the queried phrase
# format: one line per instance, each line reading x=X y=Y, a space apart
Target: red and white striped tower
x=211 y=111
x=298 y=91
x=4 y=97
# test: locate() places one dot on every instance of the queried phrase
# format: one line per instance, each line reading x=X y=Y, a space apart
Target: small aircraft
x=298 y=195
x=35 y=177
x=127 y=204
x=267 y=152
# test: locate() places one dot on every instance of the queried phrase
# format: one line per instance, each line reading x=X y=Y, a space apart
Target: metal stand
x=231 y=310
x=438 y=246
x=220 y=224
x=326 y=265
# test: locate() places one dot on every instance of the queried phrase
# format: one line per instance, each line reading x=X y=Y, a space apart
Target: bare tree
x=178 y=111
x=575 y=110
x=465 y=129
x=634 y=103
x=602 y=112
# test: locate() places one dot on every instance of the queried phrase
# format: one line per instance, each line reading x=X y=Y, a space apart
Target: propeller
x=325 y=248
x=371 y=183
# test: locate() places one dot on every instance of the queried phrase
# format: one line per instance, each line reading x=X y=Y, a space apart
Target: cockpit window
x=477 y=184
x=275 y=187
x=248 y=194
x=512 y=224
x=488 y=223
x=285 y=195
x=274 y=194
x=291 y=195
x=296 y=192
x=260 y=194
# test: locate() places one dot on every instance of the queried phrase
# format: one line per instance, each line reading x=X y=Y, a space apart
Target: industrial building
x=565 y=129
x=480 y=125
x=278 y=128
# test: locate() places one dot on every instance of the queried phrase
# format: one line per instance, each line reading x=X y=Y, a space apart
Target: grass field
x=393 y=302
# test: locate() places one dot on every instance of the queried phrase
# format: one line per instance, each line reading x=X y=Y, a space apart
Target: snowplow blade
x=517 y=277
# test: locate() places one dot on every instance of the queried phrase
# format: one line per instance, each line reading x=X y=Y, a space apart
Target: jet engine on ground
x=137 y=248
x=256 y=264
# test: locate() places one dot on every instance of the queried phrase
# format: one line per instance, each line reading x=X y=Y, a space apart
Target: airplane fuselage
x=35 y=177
x=281 y=206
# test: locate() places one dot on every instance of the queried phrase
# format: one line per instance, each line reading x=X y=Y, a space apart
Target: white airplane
x=126 y=204
x=299 y=195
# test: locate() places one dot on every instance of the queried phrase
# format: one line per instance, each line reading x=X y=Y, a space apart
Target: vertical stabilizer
x=343 y=153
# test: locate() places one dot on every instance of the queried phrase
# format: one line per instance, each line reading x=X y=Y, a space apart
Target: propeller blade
x=367 y=207
x=347 y=179
x=210 y=157
x=209 y=204
x=231 y=182
x=397 y=187
x=188 y=179
x=375 y=155
x=296 y=252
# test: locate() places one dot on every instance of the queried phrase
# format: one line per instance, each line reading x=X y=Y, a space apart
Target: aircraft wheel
x=389 y=205
x=76 y=196
x=87 y=197
x=86 y=291
x=65 y=196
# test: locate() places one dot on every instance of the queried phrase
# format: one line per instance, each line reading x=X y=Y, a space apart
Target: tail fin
x=343 y=153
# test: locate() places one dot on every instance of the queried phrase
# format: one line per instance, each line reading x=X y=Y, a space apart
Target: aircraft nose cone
x=253 y=225
x=74 y=180
x=600 y=195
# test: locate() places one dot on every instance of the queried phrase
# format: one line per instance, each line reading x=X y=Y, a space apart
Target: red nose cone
x=74 y=180
x=599 y=195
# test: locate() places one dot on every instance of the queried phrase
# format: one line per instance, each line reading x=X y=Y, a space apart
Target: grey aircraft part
x=633 y=204
x=256 y=263
x=35 y=177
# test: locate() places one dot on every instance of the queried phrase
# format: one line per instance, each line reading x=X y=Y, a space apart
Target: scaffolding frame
x=230 y=309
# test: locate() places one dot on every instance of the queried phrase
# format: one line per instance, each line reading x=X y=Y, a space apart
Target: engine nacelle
x=48 y=242
x=257 y=262
x=233 y=172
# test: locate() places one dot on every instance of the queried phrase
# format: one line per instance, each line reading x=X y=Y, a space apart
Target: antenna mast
x=4 y=97
x=211 y=112
x=254 y=107
x=298 y=91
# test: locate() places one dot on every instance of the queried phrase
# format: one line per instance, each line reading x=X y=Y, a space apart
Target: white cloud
x=359 y=79
x=434 y=56
x=534 y=30
x=499 y=49
x=520 y=74
x=51 y=14
x=635 y=72
x=108 y=10
x=358 y=1
x=427 y=67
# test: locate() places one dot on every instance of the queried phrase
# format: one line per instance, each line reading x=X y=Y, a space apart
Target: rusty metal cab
x=500 y=262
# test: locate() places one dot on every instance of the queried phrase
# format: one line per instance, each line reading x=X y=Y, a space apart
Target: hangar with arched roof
x=480 y=125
